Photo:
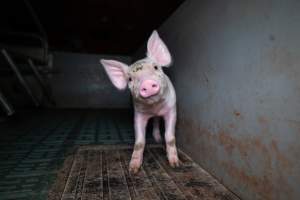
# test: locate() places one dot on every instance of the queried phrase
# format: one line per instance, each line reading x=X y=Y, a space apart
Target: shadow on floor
x=34 y=144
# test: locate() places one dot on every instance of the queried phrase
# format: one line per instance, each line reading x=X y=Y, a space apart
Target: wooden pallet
x=101 y=172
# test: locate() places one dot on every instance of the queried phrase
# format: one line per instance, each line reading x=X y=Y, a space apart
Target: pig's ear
x=116 y=72
x=157 y=51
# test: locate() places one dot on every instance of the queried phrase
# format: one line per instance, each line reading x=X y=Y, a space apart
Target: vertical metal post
x=20 y=77
x=41 y=81
x=6 y=105
x=37 y=73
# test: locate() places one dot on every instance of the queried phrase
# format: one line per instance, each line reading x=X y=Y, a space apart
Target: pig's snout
x=149 y=88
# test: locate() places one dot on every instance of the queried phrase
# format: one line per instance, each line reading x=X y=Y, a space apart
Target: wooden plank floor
x=101 y=172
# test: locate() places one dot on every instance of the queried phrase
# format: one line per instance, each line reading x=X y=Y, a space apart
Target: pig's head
x=145 y=78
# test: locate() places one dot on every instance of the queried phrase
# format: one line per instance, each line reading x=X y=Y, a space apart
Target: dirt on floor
x=101 y=172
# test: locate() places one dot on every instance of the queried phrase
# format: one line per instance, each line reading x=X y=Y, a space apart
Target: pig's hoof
x=134 y=166
x=174 y=162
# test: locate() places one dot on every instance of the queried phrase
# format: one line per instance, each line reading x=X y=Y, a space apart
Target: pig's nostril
x=149 y=88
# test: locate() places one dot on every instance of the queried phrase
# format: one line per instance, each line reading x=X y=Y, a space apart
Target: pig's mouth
x=155 y=98
x=149 y=97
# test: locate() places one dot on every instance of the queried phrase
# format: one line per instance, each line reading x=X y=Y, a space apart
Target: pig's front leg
x=170 y=122
x=140 y=122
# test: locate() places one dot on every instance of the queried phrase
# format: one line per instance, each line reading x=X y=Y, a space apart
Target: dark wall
x=236 y=72
x=81 y=82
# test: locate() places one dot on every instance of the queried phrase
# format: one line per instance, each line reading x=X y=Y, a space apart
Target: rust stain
x=236 y=113
x=263 y=121
x=273 y=163
x=230 y=143
x=193 y=133
x=226 y=141
x=279 y=156
x=293 y=123
x=231 y=125
x=261 y=185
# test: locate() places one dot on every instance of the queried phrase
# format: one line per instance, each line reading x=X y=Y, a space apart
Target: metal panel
x=81 y=82
x=236 y=72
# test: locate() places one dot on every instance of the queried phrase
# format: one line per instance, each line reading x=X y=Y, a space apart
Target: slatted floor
x=36 y=145
x=101 y=172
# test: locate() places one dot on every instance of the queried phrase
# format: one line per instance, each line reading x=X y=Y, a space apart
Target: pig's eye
x=155 y=67
x=130 y=79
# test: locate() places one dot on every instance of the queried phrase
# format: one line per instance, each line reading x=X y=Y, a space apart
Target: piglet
x=153 y=96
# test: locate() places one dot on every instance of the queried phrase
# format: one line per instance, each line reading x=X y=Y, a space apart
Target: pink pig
x=153 y=96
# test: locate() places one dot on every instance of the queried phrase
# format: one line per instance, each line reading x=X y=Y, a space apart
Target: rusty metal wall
x=236 y=71
x=79 y=81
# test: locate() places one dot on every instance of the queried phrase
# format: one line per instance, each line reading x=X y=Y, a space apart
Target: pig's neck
x=160 y=107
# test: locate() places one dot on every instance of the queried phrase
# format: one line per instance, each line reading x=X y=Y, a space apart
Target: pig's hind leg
x=156 y=130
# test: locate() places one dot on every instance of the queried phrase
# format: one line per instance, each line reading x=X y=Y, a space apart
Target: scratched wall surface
x=80 y=81
x=236 y=71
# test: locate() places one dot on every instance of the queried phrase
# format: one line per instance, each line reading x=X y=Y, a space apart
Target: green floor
x=34 y=144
